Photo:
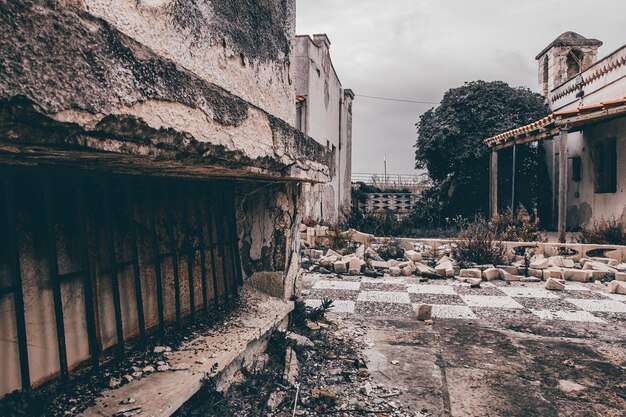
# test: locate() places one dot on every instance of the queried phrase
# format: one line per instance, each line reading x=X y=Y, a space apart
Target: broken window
x=604 y=153
x=299 y=115
x=577 y=169
x=574 y=62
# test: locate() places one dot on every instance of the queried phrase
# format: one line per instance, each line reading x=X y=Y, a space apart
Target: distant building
x=324 y=112
x=584 y=136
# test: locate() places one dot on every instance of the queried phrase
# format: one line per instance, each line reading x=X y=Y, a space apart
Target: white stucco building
x=324 y=112
x=585 y=134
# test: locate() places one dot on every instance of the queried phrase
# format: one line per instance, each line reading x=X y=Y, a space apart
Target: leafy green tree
x=450 y=146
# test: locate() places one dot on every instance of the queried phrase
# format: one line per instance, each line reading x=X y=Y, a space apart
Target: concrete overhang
x=76 y=92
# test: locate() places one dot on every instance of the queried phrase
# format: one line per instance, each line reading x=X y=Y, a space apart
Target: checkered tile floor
x=454 y=300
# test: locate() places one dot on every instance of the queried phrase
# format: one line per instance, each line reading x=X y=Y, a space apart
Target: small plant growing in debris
x=478 y=244
x=390 y=250
x=338 y=240
x=318 y=313
x=520 y=226
x=602 y=232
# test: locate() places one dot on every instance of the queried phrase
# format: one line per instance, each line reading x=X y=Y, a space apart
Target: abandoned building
x=584 y=136
x=324 y=112
x=150 y=167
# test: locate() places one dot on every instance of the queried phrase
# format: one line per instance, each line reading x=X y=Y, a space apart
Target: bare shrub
x=517 y=227
x=478 y=244
x=602 y=232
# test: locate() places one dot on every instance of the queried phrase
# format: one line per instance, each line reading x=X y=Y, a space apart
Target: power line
x=396 y=99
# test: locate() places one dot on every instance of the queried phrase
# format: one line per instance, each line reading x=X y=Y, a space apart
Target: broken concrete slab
x=394 y=271
x=509 y=277
x=161 y=394
x=578 y=275
x=561 y=262
x=617 y=287
x=355 y=265
x=554 y=284
x=379 y=264
x=340 y=267
x=491 y=274
x=413 y=256
x=470 y=273
x=422 y=268
x=540 y=263
x=423 y=311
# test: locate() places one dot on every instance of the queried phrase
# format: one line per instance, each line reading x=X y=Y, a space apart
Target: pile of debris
x=315 y=368
x=363 y=257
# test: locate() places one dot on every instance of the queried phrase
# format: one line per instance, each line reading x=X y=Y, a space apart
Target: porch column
x=493 y=183
x=562 y=184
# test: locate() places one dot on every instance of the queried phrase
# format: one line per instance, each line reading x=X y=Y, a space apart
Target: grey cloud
x=418 y=49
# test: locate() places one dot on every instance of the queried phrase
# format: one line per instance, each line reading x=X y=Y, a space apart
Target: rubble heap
x=363 y=254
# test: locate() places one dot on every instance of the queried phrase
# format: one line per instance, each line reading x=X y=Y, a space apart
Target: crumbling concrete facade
x=324 y=112
x=583 y=137
x=589 y=197
x=150 y=167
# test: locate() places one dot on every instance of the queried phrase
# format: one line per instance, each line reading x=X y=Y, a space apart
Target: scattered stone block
x=578 y=275
x=379 y=264
x=540 y=263
x=409 y=264
x=373 y=255
x=617 y=287
x=424 y=311
x=530 y=279
x=413 y=256
x=407 y=271
x=422 y=268
x=354 y=266
x=474 y=282
x=598 y=266
x=471 y=273
x=340 y=267
x=510 y=269
x=328 y=261
x=394 y=271
x=359 y=237
x=509 y=277
x=491 y=274
x=553 y=284
x=537 y=273
x=561 y=262
x=331 y=252
x=620 y=276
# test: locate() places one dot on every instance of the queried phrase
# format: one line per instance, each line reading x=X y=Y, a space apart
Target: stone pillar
x=493 y=183
x=562 y=184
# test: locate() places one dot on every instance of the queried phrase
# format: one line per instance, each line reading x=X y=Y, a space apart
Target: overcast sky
x=418 y=49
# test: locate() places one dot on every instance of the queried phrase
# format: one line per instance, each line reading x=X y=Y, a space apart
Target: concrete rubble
x=364 y=254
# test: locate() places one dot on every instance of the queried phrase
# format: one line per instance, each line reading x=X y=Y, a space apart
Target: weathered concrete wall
x=244 y=47
x=589 y=205
x=95 y=78
x=328 y=119
x=269 y=216
x=602 y=81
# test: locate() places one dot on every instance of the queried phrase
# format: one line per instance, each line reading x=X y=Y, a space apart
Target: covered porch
x=556 y=126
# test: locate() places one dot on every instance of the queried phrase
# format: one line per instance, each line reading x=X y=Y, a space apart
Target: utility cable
x=396 y=99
